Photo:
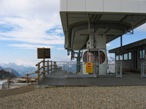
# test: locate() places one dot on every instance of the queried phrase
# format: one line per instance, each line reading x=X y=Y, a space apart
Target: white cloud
x=34 y=24
x=60 y=49
x=25 y=62
x=31 y=19
x=61 y=58
x=32 y=31
x=108 y=45
x=29 y=8
x=30 y=46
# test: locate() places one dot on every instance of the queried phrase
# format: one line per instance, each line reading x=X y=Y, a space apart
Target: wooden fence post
x=51 y=66
x=44 y=68
x=48 y=66
x=55 y=66
x=8 y=80
x=38 y=72
x=27 y=78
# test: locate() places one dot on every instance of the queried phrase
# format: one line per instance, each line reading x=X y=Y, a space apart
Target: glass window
x=126 y=56
x=130 y=55
x=121 y=57
x=142 y=54
x=117 y=57
x=88 y=57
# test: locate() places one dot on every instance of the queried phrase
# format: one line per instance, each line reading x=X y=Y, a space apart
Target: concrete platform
x=128 y=79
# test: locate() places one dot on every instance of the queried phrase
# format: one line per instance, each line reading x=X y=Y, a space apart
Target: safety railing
x=71 y=68
x=143 y=69
x=111 y=69
x=68 y=66
x=118 y=69
x=45 y=67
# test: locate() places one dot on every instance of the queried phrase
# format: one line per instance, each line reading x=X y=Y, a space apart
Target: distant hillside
x=20 y=69
x=1 y=68
x=12 y=71
x=5 y=74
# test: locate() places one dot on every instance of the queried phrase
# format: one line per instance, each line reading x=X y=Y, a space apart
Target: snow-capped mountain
x=22 y=70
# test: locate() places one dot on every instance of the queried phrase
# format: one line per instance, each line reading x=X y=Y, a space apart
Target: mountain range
x=1 y=68
x=21 y=70
x=17 y=69
x=5 y=74
x=12 y=71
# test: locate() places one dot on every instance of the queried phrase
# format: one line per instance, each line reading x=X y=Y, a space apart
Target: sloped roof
x=131 y=46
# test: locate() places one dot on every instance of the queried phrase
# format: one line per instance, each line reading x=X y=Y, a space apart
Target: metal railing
x=71 y=67
x=111 y=69
x=60 y=68
x=143 y=69
x=68 y=66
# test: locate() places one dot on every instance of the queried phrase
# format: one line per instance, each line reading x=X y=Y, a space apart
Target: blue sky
x=26 y=25
x=139 y=34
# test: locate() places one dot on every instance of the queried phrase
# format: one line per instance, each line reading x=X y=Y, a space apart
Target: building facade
x=131 y=55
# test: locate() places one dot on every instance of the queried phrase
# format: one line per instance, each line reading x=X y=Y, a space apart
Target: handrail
x=46 y=67
x=39 y=63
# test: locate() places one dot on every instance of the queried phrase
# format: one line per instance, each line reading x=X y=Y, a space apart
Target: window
x=126 y=56
x=141 y=54
x=121 y=57
x=130 y=55
x=117 y=57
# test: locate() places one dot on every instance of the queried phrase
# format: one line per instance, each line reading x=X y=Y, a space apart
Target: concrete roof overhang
x=77 y=26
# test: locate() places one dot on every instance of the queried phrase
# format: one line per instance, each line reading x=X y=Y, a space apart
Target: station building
x=88 y=25
x=131 y=56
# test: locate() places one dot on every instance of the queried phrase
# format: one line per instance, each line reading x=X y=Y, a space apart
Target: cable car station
x=88 y=25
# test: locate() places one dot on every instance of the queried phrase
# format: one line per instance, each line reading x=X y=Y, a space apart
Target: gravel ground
x=16 y=91
x=132 y=97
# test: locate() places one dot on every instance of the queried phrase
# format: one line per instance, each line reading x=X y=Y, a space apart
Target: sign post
x=43 y=53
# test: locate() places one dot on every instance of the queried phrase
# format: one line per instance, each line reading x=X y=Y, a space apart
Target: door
x=102 y=62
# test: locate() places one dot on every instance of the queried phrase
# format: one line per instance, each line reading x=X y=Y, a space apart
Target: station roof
x=129 y=47
x=111 y=18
